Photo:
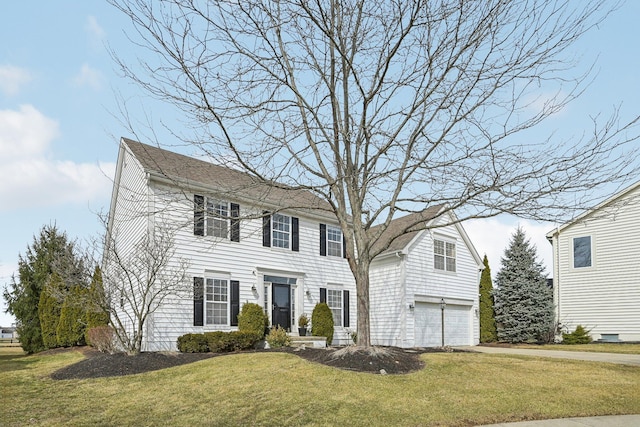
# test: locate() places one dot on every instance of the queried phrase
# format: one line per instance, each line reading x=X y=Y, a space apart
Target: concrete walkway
x=604 y=421
x=622 y=359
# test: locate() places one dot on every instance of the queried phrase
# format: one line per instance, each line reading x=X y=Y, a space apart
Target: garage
x=428 y=324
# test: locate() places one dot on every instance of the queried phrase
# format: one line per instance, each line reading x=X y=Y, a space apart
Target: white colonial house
x=424 y=286
x=283 y=249
x=596 y=269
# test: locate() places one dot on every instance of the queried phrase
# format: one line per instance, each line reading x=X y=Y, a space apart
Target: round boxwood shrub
x=252 y=319
x=278 y=338
x=322 y=322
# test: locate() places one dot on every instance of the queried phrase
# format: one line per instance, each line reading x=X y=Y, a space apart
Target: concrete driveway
x=622 y=359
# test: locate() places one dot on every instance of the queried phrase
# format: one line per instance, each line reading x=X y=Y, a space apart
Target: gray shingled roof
x=412 y=223
x=220 y=180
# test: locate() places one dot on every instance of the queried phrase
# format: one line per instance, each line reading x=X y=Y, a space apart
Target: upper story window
x=334 y=241
x=582 y=252
x=281 y=229
x=331 y=241
x=216 y=218
x=444 y=255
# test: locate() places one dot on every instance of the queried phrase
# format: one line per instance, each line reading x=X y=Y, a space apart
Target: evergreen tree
x=95 y=305
x=487 y=313
x=50 y=251
x=49 y=311
x=523 y=301
x=71 y=327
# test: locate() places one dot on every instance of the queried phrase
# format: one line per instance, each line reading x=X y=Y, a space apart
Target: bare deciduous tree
x=385 y=107
x=137 y=284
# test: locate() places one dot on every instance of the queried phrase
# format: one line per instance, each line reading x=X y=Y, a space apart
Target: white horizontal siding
x=386 y=298
x=605 y=297
x=245 y=261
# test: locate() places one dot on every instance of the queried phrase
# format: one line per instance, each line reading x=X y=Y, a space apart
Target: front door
x=281 y=298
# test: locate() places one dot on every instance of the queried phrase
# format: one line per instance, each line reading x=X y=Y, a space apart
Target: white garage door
x=428 y=325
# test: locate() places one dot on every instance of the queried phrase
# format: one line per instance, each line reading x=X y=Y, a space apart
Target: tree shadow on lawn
x=377 y=360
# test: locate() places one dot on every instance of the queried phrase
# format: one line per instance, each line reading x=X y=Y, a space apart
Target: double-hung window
x=444 y=255
x=217 y=218
x=216 y=302
x=334 y=301
x=281 y=230
x=334 y=241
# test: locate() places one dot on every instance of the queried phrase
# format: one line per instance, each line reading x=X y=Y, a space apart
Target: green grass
x=598 y=348
x=456 y=389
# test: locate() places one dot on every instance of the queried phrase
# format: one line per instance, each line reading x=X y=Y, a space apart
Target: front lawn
x=456 y=389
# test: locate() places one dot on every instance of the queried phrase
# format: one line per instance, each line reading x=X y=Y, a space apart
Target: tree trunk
x=361 y=274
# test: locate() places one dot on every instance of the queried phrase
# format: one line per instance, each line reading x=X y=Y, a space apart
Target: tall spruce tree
x=50 y=251
x=487 y=314
x=523 y=300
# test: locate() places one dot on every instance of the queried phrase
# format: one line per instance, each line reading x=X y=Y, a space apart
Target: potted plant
x=303 y=322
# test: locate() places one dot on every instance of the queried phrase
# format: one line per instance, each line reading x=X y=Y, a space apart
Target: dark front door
x=281 y=306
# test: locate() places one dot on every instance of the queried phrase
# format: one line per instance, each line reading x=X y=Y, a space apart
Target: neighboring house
x=423 y=278
x=8 y=333
x=596 y=269
x=284 y=250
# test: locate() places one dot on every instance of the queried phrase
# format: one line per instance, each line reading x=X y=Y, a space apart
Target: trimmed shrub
x=252 y=319
x=101 y=338
x=193 y=343
x=322 y=322
x=49 y=312
x=579 y=336
x=278 y=338
x=221 y=342
x=95 y=314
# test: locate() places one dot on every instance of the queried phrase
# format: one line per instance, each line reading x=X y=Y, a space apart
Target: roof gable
x=617 y=197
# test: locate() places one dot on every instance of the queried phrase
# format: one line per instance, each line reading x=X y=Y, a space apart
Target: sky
x=60 y=120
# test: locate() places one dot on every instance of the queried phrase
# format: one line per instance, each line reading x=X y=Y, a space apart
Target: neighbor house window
x=334 y=241
x=334 y=301
x=216 y=302
x=582 y=252
x=444 y=255
x=281 y=230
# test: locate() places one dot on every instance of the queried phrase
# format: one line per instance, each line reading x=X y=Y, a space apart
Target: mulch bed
x=386 y=360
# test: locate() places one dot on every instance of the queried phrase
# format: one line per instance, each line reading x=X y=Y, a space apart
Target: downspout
x=403 y=300
x=556 y=273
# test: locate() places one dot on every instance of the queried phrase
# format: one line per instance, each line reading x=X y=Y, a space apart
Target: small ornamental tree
x=523 y=300
x=322 y=322
x=487 y=313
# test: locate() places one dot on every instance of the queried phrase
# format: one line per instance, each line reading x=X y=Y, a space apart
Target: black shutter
x=235 y=222
x=344 y=246
x=266 y=229
x=198 y=215
x=345 y=307
x=295 y=235
x=323 y=295
x=235 y=302
x=198 y=301
x=323 y=239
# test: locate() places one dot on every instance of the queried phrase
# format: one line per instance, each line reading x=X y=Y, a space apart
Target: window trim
x=337 y=312
x=213 y=302
x=330 y=242
x=274 y=230
x=446 y=257
x=205 y=219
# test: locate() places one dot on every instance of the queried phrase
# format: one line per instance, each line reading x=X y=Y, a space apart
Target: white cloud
x=95 y=31
x=491 y=236
x=88 y=77
x=31 y=178
x=12 y=79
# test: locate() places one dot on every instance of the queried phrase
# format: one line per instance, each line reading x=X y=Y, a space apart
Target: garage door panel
x=428 y=325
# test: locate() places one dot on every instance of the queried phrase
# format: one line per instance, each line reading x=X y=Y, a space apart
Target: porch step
x=314 y=342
